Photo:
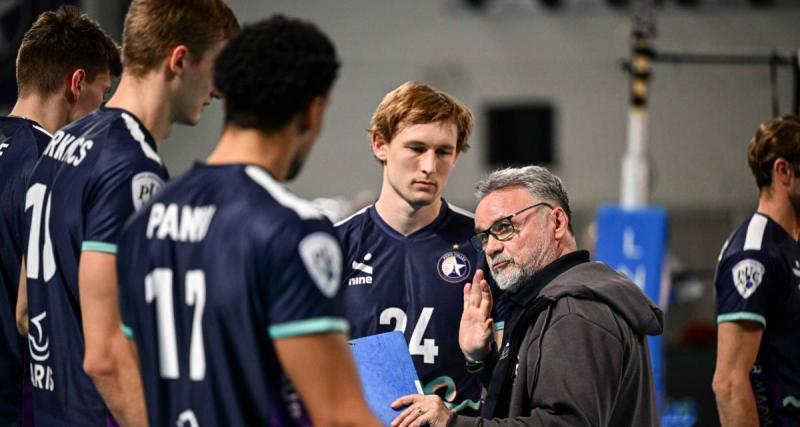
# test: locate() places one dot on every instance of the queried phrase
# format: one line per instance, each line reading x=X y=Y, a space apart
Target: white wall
x=702 y=117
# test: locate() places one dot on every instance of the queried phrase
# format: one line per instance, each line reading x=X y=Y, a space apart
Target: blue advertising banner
x=634 y=242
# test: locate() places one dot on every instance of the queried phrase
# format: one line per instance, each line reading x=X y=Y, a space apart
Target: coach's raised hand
x=475 y=333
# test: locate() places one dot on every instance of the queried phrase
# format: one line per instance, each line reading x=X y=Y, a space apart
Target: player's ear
x=312 y=115
x=560 y=223
x=74 y=84
x=782 y=171
x=177 y=59
x=379 y=147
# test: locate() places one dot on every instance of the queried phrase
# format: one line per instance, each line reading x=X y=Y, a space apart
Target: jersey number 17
x=158 y=287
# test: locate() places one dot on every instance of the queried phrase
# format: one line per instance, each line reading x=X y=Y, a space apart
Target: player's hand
x=475 y=333
x=421 y=410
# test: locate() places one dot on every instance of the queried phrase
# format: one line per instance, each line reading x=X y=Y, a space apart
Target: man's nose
x=428 y=162
x=492 y=246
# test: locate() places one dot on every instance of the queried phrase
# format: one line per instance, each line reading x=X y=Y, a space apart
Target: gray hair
x=539 y=181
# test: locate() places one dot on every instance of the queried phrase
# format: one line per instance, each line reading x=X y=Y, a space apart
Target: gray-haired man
x=575 y=352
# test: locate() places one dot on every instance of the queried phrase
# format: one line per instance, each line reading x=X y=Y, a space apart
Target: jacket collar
x=531 y=289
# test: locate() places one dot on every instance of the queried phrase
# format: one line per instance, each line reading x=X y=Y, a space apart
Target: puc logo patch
x=144 y=186
x=323 y=260
x=453 y=267
x=747 y=275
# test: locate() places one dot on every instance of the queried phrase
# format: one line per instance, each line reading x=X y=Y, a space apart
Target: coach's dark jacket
x=592 y=368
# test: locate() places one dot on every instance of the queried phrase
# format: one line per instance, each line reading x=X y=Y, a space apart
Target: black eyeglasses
x=502 y=229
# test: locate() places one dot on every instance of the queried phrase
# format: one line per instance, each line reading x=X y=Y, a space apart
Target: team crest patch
x=453 y=267
x=747 y=275
x=144 y=186
x=323 y=260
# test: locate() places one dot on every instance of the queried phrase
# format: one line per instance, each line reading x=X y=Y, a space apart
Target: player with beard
x=757 y=377
x=229 y=283
x=408 y=255
x=64 y=67
x=90 y=179
x=574 y=350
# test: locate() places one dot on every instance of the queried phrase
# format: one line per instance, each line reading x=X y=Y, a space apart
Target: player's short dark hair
x=777 y=138
x=57 y=44
x=272 y=70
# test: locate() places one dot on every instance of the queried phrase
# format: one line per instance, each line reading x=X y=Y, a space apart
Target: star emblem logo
x=453 y=267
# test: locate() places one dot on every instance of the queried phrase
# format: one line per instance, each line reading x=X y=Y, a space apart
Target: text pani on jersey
x=179 y=223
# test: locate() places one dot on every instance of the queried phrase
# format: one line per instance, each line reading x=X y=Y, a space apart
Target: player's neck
x=272 y=152
x=780 y=209
x=147 y=99
x=402 y=216
x=49 y=112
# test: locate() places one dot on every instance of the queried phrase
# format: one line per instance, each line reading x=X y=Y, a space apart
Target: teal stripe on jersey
x=499 y=326
x=307 y=327
x=126 y=330
x=99 y=247
x=742 y=315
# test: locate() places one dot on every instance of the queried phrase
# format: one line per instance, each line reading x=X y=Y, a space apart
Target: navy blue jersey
x=22 y=141
x=221 y=263
x=91 y=177
x=758 y=279
x=415 y=284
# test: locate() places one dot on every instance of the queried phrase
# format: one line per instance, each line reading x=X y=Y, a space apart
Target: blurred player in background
x=228 y=281
x=92 y=176
x=64 y=67
x=408 y=256
x=757 y=377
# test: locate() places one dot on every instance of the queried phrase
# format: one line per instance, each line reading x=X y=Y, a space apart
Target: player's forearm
x=346 y=415
x=117 y=378
x=21 y=310
x=735 y=402
x=22 y=318
x=348 y=409
x=322 y=369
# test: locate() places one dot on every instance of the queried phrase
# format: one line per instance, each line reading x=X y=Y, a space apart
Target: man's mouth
x=428 y=185
x=500 y=264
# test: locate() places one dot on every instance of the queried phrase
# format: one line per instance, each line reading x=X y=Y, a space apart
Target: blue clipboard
x=386 y=372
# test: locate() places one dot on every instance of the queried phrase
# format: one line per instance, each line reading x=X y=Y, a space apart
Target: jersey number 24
x=417 y=346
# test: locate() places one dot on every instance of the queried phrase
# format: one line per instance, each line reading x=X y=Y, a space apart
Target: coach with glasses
x=574 y=352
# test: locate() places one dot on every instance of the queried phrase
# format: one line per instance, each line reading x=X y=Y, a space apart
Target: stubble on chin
x=511 y=278
x=514 y=275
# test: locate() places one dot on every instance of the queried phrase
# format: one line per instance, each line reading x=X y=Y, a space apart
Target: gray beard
x=512 y=280
x=516 y=275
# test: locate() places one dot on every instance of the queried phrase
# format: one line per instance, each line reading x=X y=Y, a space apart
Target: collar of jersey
x=25 y=119
x=783 y=233
x=421 y=234
x=147 y=136
x=206 y=165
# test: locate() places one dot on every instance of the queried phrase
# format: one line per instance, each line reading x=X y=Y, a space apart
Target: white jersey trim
x=360 y=211
x=755 y=233
x=722 y=251
x=461 y=211
x=301 y=207
x=138 y=135
x=43 y=130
